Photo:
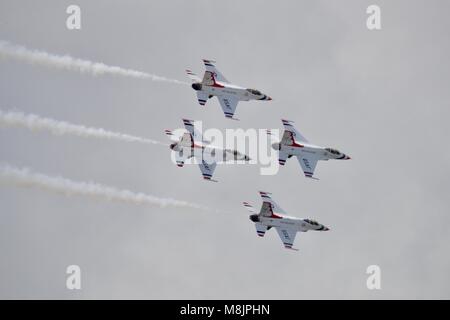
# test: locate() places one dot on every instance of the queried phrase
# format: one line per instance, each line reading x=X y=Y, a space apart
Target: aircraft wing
x=210 y=67
x=195 y=134
x=293 y=133
x=269 y=206
x=228 y=105
x=287 y=236
x=207 y=169
x=308 y=164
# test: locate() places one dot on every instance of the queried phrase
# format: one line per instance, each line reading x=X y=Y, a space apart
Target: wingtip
x=231 y=118
x=290 y=247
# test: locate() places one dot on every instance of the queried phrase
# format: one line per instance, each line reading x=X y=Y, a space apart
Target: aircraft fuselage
x=208 y=153
x=283 y=221
x=299 y=149
x=226 y=89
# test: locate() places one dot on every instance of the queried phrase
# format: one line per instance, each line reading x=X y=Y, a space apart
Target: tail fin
x=190 y=126
x=186 y=140
x=212 y=74
x=295 y=135
x=266 y=198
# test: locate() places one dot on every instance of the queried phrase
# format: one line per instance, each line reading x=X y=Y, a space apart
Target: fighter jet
x=192 y=145
x=271 y=215
x=215 y=84
x=294 y=144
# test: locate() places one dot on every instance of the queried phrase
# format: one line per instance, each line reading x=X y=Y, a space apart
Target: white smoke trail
x=69 y=63
x=36 y=123
x=25 y=177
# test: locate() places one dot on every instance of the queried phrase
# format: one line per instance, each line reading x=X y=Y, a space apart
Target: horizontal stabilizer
x=193 y=76
x=249 y=207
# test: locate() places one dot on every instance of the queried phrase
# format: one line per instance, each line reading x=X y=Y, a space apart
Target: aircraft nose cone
x=326 y=229
x=269 y=98
x=347 y=157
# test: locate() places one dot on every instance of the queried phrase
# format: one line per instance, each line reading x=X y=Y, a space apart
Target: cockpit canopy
x=313 y=222
x=332 y=151
x=255 y=92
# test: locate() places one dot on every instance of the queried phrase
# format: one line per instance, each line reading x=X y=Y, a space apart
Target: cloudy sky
x=379 y=96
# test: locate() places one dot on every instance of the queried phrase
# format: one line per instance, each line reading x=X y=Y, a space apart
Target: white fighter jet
x=294 y=144
x=215 y=84
x=191 y=145
x=271 y=215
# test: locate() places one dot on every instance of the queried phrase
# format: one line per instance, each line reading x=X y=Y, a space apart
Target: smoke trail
x=36 y=123
x=25 y=177
x=66 y=62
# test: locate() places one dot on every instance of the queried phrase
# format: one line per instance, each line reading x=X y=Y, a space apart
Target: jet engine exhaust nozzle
x=276 y=146
x=197 y=86
x=254 y=218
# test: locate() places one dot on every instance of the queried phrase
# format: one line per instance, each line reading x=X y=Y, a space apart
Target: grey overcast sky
x=380 y=96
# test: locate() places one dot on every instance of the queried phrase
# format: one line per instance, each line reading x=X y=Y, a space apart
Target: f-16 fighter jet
x=215 y=84
x=271 y=215
x=191 y=145
x=294 y=144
